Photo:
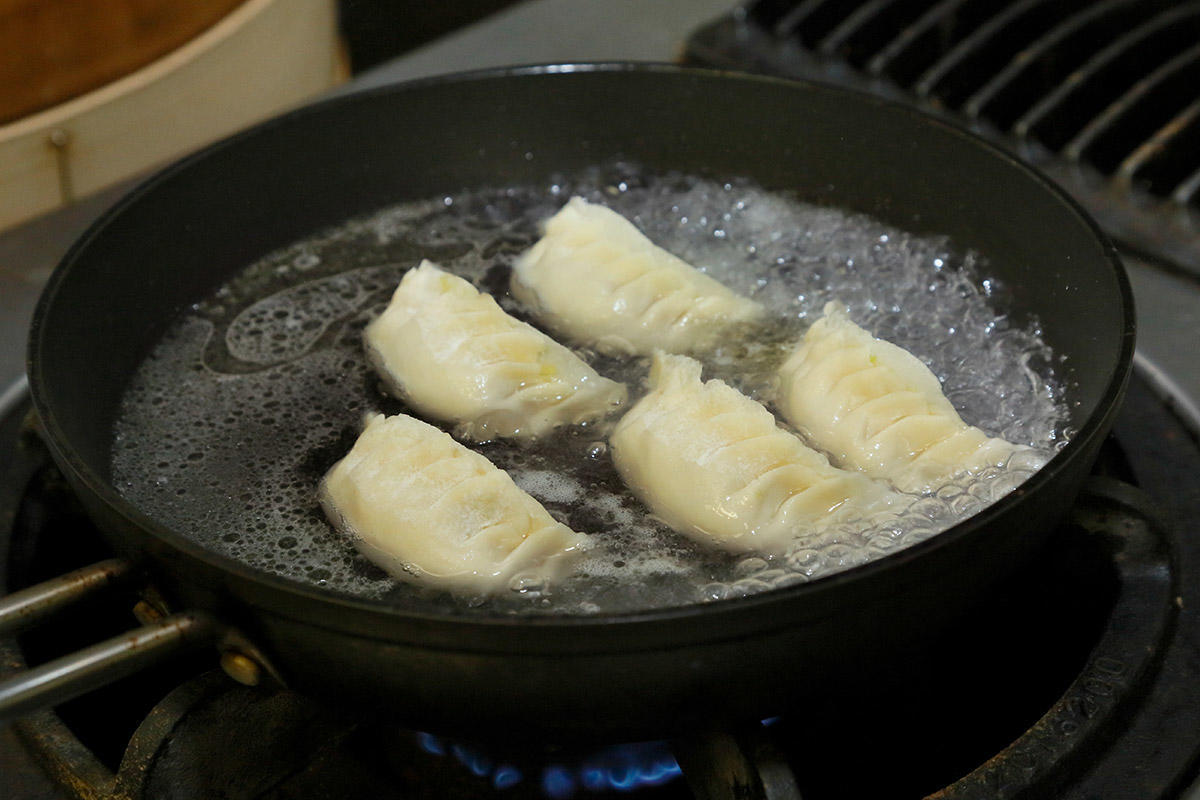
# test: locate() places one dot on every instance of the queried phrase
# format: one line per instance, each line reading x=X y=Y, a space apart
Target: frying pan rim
x=285 y=587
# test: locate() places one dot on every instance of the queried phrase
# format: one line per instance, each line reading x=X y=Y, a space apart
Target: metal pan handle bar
x=26 y=608
x=78 y=673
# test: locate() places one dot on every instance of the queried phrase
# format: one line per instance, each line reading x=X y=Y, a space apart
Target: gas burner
x=1064 y=683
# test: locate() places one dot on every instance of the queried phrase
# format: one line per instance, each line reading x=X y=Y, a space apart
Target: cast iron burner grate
x=1102 y=96
x=1076 y=679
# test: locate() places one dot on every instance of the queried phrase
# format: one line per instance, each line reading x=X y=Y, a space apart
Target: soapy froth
x=252 y=396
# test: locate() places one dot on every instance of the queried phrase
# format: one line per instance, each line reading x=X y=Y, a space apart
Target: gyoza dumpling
x=454 y=355
x=429 y=510
x=714 y=465
x=876 y=408
x=594 y=278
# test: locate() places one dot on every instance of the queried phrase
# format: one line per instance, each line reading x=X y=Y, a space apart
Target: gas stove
x=1077 y=679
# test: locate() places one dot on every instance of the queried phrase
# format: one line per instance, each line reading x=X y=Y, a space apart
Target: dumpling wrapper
x=715 y=466
x=594 y=278
x=454 y=355
x=431 y=511
x=876 y=408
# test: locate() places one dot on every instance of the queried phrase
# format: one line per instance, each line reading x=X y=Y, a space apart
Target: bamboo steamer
x=98 y=91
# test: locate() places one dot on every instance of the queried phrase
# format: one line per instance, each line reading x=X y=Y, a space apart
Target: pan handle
x=26 y=608
x=92 y=667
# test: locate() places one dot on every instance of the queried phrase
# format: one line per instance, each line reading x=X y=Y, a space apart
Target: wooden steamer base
x=259 y=59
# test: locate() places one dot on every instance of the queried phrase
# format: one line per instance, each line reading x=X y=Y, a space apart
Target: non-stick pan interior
x=186 y=231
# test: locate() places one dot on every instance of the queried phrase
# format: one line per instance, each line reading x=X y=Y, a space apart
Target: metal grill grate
x=1104 y=96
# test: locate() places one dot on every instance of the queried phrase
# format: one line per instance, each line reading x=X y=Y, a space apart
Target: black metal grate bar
x=1133 y=116
x=926 y=28
x=860 y=35
x=1058 y=116
x=1172 y=151
x=963 y=52
x=1189 y=190
x=824 y=19
x=853 y=24
x=1049 y=59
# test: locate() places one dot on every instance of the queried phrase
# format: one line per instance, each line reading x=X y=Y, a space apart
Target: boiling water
x=233 y=419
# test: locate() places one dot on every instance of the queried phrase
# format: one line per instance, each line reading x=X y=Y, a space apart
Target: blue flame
x=621 y=768
x=472 y=759
x=624 y=768
x=431 y=744
x=503 y=776
x=558 y=783
x=506 y=777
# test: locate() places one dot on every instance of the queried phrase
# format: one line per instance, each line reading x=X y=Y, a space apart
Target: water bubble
x=948 y=492
x=749 y=566
x=929 y=507
x=965 y=505
x=1006 y=483
x=527 y=584
x=1028 y=460
x=748 y=586
x=805 y=561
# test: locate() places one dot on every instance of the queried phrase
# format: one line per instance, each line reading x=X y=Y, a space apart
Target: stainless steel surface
x=549 y=31
x=1168 y=310
x=70 y=676
x=27 y=607
x=28 y=253
x=13 y=393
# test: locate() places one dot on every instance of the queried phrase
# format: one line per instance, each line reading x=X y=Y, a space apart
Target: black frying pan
x=188 y=229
